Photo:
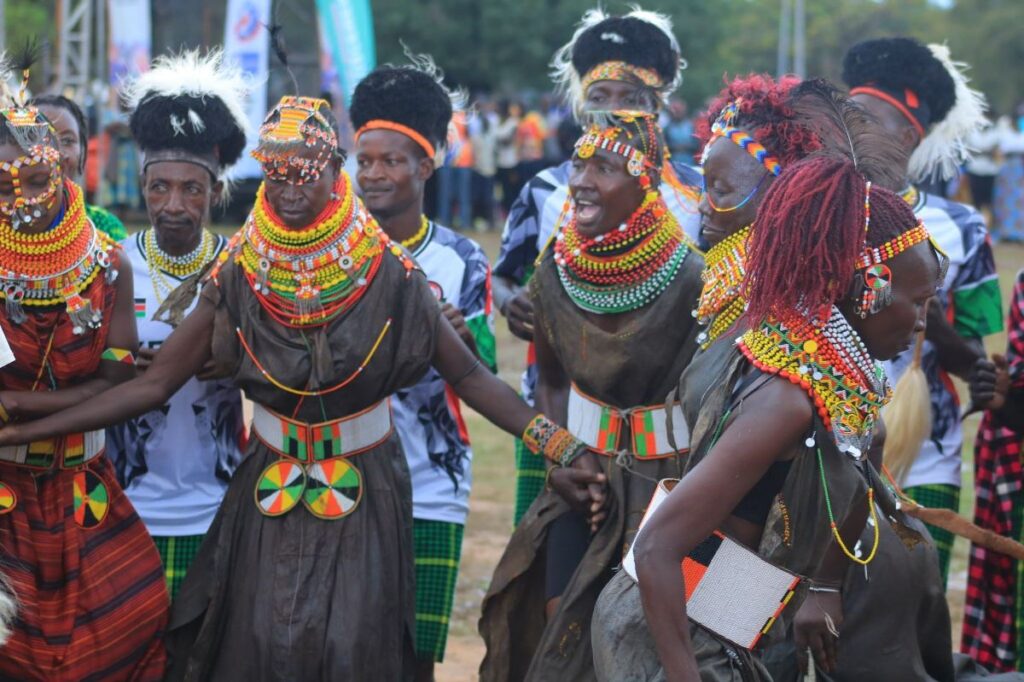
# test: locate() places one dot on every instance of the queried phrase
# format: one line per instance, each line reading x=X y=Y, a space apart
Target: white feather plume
x=569 y=83
x=664 y=23
x=198 y=125
x=191 y=73
x=946 y=146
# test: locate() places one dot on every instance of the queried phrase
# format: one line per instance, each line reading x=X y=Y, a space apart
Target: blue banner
x=346 y=38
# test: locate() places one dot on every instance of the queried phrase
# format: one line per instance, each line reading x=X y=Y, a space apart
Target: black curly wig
x=896 y=65
x=197 y=125
x=404 y=95
x=626 y=39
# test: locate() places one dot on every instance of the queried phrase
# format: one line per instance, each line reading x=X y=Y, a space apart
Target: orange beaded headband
x=873 y=255
x=380 y=124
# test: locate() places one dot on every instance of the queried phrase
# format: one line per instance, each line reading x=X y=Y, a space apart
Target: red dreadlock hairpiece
x=766 y=112
x=810 y=233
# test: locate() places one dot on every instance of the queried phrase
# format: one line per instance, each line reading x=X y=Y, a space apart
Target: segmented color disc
x=91 y=499
x=878 y=276
x=280 y=487
x=334 y=489
x=8 y=498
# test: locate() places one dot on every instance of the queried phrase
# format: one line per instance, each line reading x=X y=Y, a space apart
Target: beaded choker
x=624 y=269
x=830 y=362
x=720 y=301
x=308 y=276
x=160 y=262
x=55 y=266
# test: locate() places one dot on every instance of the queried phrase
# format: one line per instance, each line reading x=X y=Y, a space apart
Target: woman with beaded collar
x=750 y=132
x=318 y=316
x=778 y=463
x=612 y=297
x=78 y=557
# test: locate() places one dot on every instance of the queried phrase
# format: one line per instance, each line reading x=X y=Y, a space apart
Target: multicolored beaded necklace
x=831 y=363
x=624 y=269
x=306 y=277
x=720 y=301
x=56 y=266
x=161 y=263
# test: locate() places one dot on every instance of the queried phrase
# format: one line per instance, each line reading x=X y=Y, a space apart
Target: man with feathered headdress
x=174 y=463
x=611 y=62
x=922 y=99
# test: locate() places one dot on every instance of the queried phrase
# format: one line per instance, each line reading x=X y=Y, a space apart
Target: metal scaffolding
x=75 y=18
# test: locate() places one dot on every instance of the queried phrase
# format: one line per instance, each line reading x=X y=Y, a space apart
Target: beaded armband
x=544 y=437
x=122 y=355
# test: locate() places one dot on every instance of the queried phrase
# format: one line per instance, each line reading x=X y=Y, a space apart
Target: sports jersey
x=175 y=462
x=971 y=300
x=428 y=416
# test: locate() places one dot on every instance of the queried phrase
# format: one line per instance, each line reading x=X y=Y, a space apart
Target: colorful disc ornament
x=280 y=487
x=91 y=499
x=334 y=490
x=878 y=276
x=8 y=498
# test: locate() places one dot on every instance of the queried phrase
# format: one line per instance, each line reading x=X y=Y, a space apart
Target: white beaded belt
x=72 y=450
x=600 y=427
x=730 y=590
x=312 y=442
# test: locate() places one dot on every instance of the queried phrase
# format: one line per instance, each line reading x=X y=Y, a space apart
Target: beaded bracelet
x=5 y=416
x=544 y=437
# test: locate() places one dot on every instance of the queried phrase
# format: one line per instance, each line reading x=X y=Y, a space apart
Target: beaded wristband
x=544 y=437
x=5 y=416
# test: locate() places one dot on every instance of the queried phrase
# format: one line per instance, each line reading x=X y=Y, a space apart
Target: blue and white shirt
x=971 y=300
x=175 y=462
x=428 y=416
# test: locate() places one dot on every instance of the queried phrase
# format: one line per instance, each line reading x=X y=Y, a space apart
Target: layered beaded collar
x=720 y=301
x=163 y=265
x=625 y=269
x=830 y=362
x=55 y=267
x=308 y=276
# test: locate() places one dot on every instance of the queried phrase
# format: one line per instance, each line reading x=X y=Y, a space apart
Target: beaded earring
x=872 y=284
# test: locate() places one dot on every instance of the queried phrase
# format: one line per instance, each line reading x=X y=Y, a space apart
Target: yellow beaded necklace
x=161 y=264
x=720 y=301
x=418 y=237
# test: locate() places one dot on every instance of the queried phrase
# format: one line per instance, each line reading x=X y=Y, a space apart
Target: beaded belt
x=313 y=467
x=91 y=499
x=730 y=590
x=600 y=427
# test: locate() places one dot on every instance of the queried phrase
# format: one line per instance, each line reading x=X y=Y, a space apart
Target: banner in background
x=130 y=44
x=247 y=43
x=346 y=37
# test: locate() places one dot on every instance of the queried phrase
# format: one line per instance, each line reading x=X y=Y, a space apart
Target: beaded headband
x=294 y=124
x=873 y=286
x=606 y=137
x=379 y=124
x=621 y=71
x=722 y=127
